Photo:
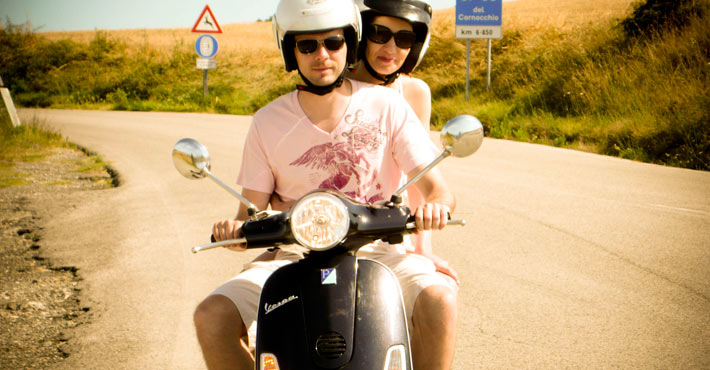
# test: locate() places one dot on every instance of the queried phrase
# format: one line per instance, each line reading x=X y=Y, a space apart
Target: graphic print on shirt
x=346 y=159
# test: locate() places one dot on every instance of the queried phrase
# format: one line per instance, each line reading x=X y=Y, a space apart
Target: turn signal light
x=396 y=358
x=268 y=362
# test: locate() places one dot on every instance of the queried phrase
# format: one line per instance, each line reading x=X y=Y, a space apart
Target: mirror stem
x=397 y=196
x=252 y=210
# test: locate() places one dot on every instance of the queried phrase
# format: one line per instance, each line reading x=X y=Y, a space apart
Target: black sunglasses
x=381 y=35
x=332 y=43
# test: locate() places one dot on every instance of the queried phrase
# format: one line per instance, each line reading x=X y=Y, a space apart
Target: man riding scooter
x=336 y=133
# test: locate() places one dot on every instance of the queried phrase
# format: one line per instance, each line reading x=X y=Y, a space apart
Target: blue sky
x=73 y=15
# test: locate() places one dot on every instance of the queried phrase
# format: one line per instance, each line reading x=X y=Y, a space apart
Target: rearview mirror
x=191 y=158
x=462 y=135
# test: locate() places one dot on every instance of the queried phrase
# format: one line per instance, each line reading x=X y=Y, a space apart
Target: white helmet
x=308 y=16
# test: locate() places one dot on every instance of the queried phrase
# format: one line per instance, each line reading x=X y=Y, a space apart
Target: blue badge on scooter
x=328 y=277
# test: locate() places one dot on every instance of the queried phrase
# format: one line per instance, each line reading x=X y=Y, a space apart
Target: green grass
x=9 y=177
x=635 y=87
x=92 y=163
x=57 y=183
x=30 y=142
x=33 y=142
x=27 y=143
x=13 y=179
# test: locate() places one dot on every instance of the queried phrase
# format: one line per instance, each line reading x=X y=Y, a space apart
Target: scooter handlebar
x=410 y=225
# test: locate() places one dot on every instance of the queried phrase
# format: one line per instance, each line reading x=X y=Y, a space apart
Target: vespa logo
x=270 y=307
x=328 y=277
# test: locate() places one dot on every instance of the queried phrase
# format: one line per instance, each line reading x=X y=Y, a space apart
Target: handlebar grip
x=411 y=218
x=411 y=224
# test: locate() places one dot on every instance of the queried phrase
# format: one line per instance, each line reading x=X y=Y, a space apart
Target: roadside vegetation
x=34 y=142
x=633 y=84
x=26 y=143
x=634 y=87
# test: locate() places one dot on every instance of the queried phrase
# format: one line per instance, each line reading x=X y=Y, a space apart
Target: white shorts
x=414 y=272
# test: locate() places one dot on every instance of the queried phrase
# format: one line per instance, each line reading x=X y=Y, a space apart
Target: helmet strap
x=386 y=79
x=320 y=90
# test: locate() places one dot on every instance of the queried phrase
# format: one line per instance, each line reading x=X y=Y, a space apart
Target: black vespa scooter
x=331 y=310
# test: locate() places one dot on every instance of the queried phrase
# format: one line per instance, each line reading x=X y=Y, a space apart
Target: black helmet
x=417 y=12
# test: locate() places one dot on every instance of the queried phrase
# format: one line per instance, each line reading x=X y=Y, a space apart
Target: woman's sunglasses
x=332 y=43
x=381 y=35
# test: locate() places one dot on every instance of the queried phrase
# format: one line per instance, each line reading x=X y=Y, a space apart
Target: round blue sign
x=206 y=46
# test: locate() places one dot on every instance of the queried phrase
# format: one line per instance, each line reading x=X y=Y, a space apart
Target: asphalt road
x=569 y=260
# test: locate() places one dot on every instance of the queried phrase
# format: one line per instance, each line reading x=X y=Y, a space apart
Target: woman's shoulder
x=416 y=92
x=414 y=86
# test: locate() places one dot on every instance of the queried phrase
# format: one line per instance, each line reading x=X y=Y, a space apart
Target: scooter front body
x=332 y=312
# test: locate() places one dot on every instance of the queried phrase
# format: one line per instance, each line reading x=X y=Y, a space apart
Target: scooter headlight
x=319 y=221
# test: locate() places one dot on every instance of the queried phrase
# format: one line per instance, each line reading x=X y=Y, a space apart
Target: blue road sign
x=206 y=46
x=479 y=19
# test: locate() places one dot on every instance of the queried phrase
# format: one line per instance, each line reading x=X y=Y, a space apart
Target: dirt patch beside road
x=40 y=302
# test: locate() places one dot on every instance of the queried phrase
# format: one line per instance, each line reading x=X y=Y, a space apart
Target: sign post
x=478 y=19
x=9 y=105
x=206 y=45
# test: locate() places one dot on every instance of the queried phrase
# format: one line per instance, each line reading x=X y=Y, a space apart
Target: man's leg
x=434 y=328
x=222 y=334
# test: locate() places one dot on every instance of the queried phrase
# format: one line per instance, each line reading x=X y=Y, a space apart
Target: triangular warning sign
x=207 y=23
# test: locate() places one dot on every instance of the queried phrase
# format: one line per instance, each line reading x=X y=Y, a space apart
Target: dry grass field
x=257 y=39
x=236 y=39
x=566 y=73
x=532 y=15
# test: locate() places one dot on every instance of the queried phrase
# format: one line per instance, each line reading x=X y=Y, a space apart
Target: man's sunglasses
x=332 y=43
x=381 y=35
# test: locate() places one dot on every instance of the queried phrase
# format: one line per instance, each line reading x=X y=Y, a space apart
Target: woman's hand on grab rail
x=229 y=229
x=443 y=266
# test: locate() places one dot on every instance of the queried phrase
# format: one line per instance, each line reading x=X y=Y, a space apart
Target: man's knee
x=436 y=300
x=215 y=313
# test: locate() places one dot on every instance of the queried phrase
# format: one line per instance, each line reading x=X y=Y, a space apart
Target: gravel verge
x=41 y=302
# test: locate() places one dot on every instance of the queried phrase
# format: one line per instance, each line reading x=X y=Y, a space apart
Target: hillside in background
x=608 y=76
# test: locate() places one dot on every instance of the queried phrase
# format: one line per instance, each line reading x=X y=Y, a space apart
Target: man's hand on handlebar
x=229 y=229
x=431 y=216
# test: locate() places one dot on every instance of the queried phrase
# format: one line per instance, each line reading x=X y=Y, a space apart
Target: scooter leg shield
x=332 y=313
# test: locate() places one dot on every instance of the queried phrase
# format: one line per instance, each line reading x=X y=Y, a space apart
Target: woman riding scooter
x=395 y=39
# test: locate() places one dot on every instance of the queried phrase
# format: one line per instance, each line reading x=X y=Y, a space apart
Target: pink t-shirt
x=366 y=156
